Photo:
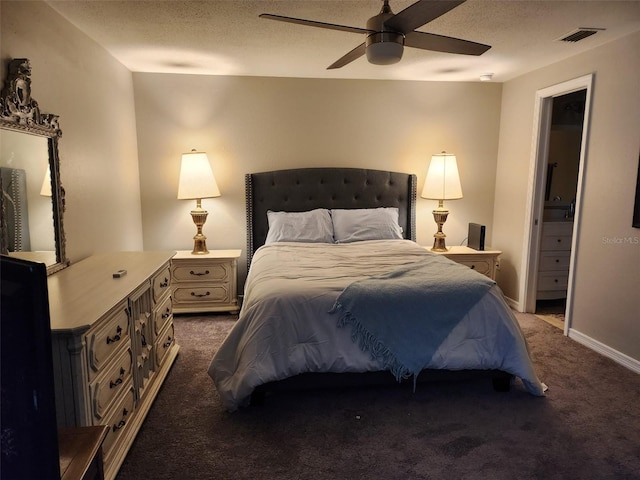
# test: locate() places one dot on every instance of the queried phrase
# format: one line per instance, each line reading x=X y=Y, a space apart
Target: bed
x=309 y=294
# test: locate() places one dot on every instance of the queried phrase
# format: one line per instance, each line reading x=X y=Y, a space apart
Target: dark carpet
x=587 y=427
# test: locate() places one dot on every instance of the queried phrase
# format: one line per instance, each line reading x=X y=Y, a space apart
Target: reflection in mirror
x=32 y=200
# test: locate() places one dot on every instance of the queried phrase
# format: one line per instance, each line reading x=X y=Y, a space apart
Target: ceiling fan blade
x=421 y=12
x=349 y=57
x=313 y=23
x=440 y=43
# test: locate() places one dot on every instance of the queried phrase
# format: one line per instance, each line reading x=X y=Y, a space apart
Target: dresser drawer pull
x=143 y=340
x=122 y=422
x=165 y=284
x=167 y=314
x=194 y=294
x=199 y=274
x=117 y=336
x=472 y=267
x=559 y=240
x=168 y=343
x=119 y=381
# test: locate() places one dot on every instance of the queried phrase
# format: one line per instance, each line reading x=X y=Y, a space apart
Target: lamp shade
x=196 y=177
x=443 y=180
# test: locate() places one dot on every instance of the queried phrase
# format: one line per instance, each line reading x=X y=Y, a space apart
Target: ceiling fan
x=387 y=33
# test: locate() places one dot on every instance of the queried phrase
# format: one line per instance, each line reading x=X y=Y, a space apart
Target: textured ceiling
x=226 y=37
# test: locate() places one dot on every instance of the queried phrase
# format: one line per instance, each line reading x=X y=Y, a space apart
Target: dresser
x=205 y=283
x=113 y=344
x=553 y=263
x=482 y=261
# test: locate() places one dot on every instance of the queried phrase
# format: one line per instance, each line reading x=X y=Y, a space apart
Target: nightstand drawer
x=482 y=266
x=196 y=272
x=196 y=294
x=482 y=261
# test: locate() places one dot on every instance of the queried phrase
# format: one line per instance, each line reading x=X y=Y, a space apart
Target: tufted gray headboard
x=302 y=189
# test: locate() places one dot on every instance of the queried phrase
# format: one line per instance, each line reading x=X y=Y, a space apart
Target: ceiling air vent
x=580 y=34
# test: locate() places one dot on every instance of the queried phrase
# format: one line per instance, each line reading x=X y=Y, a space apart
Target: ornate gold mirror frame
x=20 y=113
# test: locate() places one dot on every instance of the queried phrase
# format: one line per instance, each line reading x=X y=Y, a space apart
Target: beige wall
x=253 y=124
x=607 y=269
x=249 y=124
x=78 y=80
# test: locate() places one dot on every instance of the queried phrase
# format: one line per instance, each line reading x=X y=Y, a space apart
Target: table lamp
x=442 y=183
x=197 y=182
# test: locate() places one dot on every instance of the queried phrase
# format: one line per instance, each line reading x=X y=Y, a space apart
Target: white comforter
x=284 y=327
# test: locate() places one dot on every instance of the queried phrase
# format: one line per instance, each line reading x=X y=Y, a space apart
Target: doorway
x=560 y=134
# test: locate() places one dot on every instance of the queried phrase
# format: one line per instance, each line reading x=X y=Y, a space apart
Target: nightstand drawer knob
x=199 y=274
x=473 y=267
x=194 y=294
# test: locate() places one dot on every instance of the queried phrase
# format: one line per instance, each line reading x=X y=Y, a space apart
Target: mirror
x=32 y=200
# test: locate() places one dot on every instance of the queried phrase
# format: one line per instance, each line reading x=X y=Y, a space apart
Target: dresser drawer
x=107 y=339
x=553 y=281
x=216 y=271
x=117 y=422
x=162 y=314
x=202 y=294
x=555 y=261
x=161 y=283
x=164 y=343
x=108 y=386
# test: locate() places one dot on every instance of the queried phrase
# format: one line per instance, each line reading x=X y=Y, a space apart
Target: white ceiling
x=226 y=37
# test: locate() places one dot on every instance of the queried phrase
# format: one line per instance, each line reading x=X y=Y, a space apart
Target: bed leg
x=502 y=383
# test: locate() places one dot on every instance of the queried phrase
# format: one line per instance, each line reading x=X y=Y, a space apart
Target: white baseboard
x=618 y=357
x=513 y=304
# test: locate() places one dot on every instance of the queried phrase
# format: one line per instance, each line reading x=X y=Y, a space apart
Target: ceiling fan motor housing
x=383 y=46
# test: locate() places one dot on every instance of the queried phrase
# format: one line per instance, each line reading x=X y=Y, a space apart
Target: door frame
x=536 y=187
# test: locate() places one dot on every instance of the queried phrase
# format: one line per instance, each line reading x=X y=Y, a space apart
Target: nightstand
x=483 y=261
x=205 y=283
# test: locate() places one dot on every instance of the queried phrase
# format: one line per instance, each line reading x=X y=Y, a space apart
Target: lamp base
x=439 y=244
x=199 y=245
x=199 y=240
x=440 y=216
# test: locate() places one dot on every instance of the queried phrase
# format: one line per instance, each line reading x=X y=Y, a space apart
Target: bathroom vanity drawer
x=556 y=260
x=553 y=281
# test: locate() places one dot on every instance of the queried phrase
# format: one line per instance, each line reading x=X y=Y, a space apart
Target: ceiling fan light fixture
x=385 y=48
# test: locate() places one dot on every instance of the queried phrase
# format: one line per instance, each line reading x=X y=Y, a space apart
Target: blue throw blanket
x=403 y=316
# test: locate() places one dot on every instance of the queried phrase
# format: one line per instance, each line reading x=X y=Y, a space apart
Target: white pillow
x=354 y=225
x=313 y=226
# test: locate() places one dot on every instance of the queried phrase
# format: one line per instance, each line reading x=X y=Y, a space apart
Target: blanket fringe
x=369 y=344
